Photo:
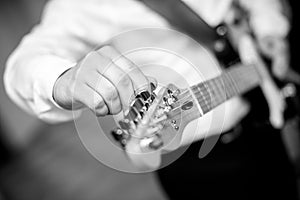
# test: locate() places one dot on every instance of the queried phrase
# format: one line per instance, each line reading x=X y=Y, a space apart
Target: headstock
x=153 y=123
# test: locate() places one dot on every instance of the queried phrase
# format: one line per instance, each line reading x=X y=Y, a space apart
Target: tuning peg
x=144 y=95
x=169 y=91
x=138 y=104
x=120 y=136
x=176 y=93
x=117 y=134
x=133 y=113
x=152 y=97
x=153 y=87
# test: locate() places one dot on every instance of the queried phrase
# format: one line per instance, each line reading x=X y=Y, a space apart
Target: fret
x=217 y=91
x=230 y=86
x=202 y=94
x=212 y=90
x=236 y=80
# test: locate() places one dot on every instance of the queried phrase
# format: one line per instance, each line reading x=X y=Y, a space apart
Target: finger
x=275 y=102
x=140 y=81
x=106 y=68
x=91 y=99
x=280 y=66
x=121 y=81
x=107 y=91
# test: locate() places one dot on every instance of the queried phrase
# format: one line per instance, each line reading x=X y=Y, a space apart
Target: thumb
x=275 y=102
x=153 y=82
x=280 y=66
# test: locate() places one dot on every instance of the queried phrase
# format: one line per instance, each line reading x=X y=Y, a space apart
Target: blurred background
x=41 y=161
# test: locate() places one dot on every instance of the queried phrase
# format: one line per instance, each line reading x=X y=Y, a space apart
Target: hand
x=277 y=50
x=104 y=81
x=280 y=64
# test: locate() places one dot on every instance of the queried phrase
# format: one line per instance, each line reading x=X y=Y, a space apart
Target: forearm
x=53 y=46
x=30 y=86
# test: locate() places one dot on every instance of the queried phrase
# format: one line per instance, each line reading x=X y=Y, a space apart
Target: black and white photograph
x=149 y=100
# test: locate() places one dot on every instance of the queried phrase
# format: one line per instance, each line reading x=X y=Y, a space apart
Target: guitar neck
x=234 y=81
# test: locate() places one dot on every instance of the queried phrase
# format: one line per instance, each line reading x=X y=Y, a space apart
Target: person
x=58 y=54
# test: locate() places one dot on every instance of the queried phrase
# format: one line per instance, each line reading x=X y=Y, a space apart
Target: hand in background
x=277 y=50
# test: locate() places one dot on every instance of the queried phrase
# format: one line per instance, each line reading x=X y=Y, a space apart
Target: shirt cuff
x=45 y=77
x=58 y=67
x=53 y=84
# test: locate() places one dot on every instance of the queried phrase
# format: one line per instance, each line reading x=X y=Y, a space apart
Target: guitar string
x=191 y=96
x=221 y=98
x=216 y=85
x=219 y=83
x=226 y=80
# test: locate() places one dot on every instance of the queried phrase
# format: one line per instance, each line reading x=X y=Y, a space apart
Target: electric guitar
x=156 y=122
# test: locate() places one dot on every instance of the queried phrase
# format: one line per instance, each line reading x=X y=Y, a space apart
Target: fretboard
x=234 y=81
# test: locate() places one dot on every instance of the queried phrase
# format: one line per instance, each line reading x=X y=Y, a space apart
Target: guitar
x=155 y=123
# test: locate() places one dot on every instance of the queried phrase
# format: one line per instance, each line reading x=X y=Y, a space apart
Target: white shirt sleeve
x=267 y=18
x=68 y=30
